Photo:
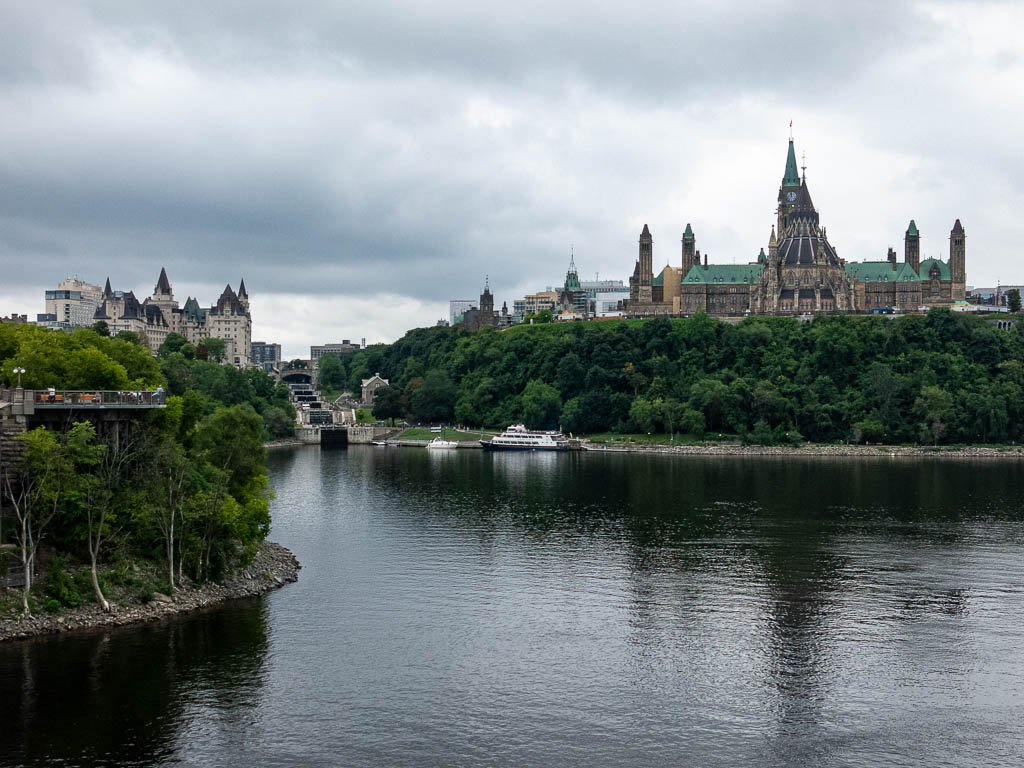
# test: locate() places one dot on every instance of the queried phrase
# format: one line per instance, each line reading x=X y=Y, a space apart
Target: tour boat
x=519 y=438
x=440 y=442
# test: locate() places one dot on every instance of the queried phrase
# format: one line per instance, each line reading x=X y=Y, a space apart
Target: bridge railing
x=96 y=398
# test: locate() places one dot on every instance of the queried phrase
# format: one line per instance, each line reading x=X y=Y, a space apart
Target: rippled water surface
x=472 y=609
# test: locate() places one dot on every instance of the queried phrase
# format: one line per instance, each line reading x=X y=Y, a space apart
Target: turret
x=646 y=259
x=957 y=260
x=243 y=295
x=912 y=247
x=689 y=250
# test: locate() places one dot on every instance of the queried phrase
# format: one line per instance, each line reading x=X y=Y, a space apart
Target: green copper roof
x=792 y=178
x=658 y=280
x=880 y=272
x=912 y=229
x=926 y=268
x=724 y=273
x=761 y=257
x=688 y=234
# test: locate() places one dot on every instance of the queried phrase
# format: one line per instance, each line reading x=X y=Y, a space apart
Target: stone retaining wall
x=733 y=449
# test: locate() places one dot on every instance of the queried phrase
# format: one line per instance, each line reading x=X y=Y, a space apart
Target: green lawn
x=424 y=433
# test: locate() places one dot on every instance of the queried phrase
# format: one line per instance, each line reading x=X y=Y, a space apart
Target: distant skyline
x=360 y=166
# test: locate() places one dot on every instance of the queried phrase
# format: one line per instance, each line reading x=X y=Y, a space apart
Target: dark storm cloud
x=400 y=147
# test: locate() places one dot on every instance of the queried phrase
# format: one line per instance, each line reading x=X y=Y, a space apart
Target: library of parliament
x=801 y=272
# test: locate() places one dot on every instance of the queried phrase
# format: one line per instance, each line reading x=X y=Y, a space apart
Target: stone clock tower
x=789 y=190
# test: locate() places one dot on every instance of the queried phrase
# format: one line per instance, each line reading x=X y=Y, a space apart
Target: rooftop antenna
x=803 y=168
x=791 y=129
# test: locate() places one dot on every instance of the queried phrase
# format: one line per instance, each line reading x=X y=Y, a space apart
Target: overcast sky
x=360 y=164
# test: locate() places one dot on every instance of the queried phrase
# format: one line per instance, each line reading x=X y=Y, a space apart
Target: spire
x=646 y=233
x=773 y=240
x=572 y=258
x=107 y=292
x=957 y=228
x=241 y=289
x=761 y=257
x=688 y=234
x=163 y=285
x=912 y=229
x=791 y=178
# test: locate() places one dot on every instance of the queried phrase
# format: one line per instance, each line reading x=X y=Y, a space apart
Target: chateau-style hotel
x=800 y=273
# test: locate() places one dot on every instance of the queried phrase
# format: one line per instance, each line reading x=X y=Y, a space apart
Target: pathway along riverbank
x=273 y=567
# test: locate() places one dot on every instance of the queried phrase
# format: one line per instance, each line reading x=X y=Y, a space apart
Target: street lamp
x=19 y=370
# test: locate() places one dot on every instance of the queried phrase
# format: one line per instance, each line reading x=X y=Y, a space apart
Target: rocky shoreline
x=810 y=450
x=273 y=567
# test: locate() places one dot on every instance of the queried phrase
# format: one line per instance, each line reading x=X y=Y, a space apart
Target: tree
x=934 y=405
x=106 y=485
x=215 y=349
x=434 y=401
x=175 y=342
x=101 y=328
x=1013 y=300
x=388 y=403
x=331 y=373
x=46 y=484
x=542 y=405
x=278 y=423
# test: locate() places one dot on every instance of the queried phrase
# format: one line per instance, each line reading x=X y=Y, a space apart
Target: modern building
x=263 y=353
x=532 y=303
x=800 y=273
x=346 y=347
x=456 y=308
x=72 y=304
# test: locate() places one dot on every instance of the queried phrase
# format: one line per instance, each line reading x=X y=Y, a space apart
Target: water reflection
x=535 y=609
x=122 y=697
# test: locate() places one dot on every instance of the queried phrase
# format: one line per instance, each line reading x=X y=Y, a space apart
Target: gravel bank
x=732 y=449
x=273 y=567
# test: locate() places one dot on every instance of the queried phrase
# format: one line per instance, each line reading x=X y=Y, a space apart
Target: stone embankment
x=273 y=567
x=734 y=449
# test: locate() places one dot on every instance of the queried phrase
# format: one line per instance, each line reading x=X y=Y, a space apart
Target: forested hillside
x=934 y=378
x=176 y=494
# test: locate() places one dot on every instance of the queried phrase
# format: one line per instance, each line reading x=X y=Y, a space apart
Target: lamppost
x=19 y=370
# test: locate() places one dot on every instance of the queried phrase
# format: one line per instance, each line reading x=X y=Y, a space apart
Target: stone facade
x=801 y=272
x=159 y=315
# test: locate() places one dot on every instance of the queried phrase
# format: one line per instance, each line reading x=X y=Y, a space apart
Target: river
x=473 y=609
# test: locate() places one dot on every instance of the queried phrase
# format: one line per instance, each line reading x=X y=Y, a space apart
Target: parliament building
x=801 y=272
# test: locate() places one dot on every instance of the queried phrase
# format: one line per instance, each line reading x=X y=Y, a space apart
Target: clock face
x=791 y=196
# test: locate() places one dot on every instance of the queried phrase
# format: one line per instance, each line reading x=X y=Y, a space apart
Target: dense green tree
x=331 y=373
x=215 y=349
x=1013 y=300
x=541 y=405
x=388 y=403
x=433 y=402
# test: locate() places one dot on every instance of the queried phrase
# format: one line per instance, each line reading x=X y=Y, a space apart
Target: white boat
x=518 y=438
x=440 y=442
